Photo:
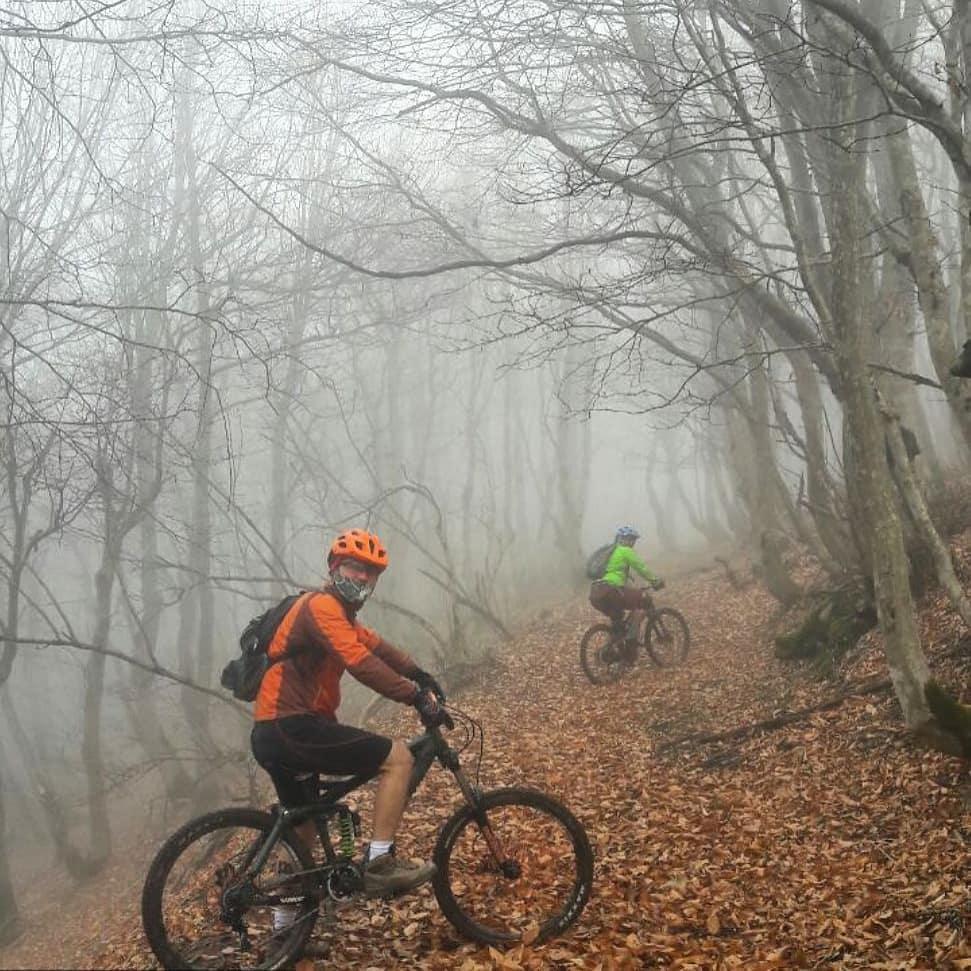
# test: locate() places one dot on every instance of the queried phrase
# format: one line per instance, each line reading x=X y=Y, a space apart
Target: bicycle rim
x=601 y=657
x=538 y=885
x=195 y=891
x=666 y=637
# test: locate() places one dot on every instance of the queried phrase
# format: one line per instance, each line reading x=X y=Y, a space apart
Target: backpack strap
x=300 y=603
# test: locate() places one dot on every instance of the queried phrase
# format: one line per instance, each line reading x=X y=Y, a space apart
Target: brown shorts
x=613 y=601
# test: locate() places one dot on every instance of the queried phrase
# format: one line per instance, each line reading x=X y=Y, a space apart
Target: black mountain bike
x=513 y=865
x=608 y=653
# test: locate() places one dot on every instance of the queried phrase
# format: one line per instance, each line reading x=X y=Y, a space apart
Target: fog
x=490 y=280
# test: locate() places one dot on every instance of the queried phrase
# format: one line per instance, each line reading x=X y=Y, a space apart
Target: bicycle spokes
x=216 y=915
x=604 y=655
x=514 y=874
x=666 y=636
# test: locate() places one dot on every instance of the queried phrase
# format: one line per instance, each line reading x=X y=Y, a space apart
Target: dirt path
x=831 y=843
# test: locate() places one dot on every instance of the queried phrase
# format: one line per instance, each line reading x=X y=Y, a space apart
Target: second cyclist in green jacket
x=610 y=594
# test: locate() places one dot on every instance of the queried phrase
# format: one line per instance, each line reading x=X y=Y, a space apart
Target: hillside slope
x=831 y=842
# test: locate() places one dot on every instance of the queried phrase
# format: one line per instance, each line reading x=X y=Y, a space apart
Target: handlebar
x=441 y=720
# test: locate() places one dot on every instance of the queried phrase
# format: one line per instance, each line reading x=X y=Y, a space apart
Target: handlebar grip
x=436 y=718
x=444 y=720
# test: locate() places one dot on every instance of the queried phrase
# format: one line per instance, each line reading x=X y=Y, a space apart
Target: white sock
x=283 y=916
x=378 y=848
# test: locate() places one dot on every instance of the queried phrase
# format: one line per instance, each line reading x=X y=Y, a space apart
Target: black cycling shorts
x=289 y=748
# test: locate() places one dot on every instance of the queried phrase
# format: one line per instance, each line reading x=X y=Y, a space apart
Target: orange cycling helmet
x=360 y=545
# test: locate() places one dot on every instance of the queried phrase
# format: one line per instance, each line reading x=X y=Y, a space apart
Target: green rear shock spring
x=345 y=828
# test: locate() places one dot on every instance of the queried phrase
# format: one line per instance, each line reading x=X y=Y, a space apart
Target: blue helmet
x=627 y=532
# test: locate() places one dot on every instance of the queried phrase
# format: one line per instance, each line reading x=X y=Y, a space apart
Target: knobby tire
x=174 y=949
x=666 y=625
x=597 y=670
x=552 y=844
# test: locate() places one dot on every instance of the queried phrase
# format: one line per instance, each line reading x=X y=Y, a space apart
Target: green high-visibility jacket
x=621 y=562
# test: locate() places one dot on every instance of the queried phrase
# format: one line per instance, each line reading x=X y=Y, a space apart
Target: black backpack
x=597 y=561
x=243 y=675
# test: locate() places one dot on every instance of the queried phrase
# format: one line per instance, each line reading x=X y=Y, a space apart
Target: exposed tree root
x=778 y=721
x=950 y=732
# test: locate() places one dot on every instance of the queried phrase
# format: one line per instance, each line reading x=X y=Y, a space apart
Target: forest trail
x=833 y=842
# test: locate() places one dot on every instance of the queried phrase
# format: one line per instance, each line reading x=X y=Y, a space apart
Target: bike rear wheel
x=518 y=867
x=194 y=892
x=602 y=655
x=666 y=636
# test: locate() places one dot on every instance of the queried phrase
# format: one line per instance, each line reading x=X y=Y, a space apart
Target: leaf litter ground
x=833 y=842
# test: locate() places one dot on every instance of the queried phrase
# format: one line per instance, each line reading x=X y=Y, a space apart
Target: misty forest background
x=488 y=278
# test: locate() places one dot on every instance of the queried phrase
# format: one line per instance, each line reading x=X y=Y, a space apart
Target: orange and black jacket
x=323 y=638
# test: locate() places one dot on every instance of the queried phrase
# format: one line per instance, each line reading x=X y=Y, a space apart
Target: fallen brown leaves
x=831 y=842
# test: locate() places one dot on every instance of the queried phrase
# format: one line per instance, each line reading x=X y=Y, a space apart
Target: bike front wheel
x=602 y=655
x=516 y=867
x=666 y=636
x=200 y=910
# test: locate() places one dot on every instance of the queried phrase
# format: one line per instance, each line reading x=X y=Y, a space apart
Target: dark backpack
x=244 y=674
x=597 y=561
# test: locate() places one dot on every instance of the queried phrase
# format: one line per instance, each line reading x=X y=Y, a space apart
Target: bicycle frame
x=426 y=749
x=267 y=879
x=647 y=612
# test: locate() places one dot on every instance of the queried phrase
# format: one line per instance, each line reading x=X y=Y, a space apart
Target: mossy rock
x=829 y=629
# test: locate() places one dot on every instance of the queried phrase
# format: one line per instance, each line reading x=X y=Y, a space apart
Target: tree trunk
x=514 y=433
x=91 y=748
x=10 y=924
x=929 y=276
x=572 y=478
x=282 y=403
x=868 y=477
x=897 y=308
x=824 y=497
x=917 y=507
x=141 y=703
x=474 y=404
x=733 y=508
x=660 y=514
x=715 y=528
x=767 y=486
x=197 y=647
x=43 y=790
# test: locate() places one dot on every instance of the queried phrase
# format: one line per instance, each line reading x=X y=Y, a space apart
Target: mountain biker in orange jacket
x=297 y=735
x=610 y=594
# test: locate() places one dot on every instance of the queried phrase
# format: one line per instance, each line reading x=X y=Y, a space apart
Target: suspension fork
x=472 y=797
x=432 y=746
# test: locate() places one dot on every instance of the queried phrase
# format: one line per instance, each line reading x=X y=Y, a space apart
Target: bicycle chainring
x=344 y=880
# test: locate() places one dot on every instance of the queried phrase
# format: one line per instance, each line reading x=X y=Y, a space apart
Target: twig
x=906 y=375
